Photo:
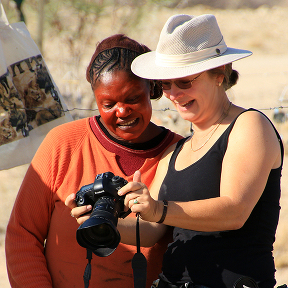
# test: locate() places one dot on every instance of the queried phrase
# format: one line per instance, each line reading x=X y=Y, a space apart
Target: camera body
x=99 y=232
x=105 y=185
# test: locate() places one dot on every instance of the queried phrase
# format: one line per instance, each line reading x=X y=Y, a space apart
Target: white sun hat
x=187 y=45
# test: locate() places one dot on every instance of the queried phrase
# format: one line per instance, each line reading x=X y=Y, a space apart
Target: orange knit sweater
x=41 y=246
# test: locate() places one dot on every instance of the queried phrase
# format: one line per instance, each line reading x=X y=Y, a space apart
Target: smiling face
x=123 y=100
x=195 y=103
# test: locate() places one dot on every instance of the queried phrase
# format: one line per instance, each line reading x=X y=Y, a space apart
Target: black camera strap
x=139 y=262
x=87 y=272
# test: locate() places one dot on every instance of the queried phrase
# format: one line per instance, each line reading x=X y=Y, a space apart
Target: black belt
x=241 y=282
x=163 y=284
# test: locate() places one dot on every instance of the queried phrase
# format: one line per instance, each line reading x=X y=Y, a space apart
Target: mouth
x=128 y=124
x=186 y=104
x=8 y=136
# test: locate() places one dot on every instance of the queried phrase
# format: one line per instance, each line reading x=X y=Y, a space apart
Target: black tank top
x=218 y=259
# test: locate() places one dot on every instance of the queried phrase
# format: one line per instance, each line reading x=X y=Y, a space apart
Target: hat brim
x=145 y=65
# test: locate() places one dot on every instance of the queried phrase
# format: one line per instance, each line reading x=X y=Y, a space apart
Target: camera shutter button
x=116 y=179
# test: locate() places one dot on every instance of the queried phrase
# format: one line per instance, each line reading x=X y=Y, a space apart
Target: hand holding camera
x=99 y=233
x=138 y=193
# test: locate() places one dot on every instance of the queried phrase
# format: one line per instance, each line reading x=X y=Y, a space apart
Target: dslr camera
x=99 y=233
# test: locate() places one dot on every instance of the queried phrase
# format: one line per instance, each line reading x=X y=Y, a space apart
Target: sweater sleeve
x=31 y=215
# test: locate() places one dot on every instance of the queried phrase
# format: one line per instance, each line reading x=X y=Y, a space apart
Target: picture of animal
x=33 y=95
x=7 y=132
x=47 y=115
x=28 y=99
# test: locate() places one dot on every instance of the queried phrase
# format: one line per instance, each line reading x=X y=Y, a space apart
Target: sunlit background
x=67 y=31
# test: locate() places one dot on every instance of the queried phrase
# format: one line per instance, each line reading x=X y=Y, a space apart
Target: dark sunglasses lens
x=183 y=84
x=180 y=84
x=166 y=85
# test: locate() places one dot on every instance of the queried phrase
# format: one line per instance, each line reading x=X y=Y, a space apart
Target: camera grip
x=125 y=214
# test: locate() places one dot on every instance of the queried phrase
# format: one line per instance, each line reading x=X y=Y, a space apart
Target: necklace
x=223 y=116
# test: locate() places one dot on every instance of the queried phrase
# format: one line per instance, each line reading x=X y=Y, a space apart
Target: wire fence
x=155 y=110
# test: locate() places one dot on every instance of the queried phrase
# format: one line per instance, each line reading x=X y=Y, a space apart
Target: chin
x=127 y=137
x=186 y=116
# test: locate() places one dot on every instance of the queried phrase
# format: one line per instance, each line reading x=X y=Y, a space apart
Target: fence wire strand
x=167 y=109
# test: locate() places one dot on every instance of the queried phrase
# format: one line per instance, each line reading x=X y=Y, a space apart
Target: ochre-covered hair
x=117 y=53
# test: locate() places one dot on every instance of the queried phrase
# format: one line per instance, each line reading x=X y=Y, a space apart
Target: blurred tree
x=71 y=20
x=19 y=9
x=76 y=24
x=39 y=39
x=220 y=4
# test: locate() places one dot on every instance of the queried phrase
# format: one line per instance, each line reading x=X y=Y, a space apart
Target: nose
x=173 y=93
x=123 y=110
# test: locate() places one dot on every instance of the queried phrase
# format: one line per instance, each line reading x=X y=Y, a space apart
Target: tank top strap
x=176 y=151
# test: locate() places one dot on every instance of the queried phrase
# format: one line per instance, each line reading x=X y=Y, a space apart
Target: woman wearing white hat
x=219 y=188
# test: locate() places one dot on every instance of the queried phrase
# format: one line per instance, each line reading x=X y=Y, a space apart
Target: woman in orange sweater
x=41 y=246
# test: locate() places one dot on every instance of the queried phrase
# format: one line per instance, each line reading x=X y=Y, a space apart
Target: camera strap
x=87 y=272
x=139 y=262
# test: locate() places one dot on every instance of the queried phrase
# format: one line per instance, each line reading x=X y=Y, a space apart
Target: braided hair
x=117 y=53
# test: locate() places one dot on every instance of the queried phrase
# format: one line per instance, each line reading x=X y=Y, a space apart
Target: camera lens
x=102 y=234
x=99 y=233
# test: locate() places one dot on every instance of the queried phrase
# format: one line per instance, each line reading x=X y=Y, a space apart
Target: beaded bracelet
x=165 y=208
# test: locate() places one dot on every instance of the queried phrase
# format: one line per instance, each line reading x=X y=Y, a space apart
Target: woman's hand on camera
x=139 y=200
x=78 y=212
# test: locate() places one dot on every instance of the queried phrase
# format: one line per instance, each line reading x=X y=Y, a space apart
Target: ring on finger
x=72 y=214
x=135 y=201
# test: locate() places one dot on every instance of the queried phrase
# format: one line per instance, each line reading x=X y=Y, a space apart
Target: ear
x=220 y=77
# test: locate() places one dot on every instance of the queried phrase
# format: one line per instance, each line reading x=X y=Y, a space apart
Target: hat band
x=166 y=60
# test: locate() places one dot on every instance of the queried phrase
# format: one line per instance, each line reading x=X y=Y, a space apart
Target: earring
x=219 y=84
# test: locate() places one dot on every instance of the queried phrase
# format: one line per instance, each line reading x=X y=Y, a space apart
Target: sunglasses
x=182 y=84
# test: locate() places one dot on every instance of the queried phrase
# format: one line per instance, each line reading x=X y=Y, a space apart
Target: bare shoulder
x=164 y=162
x=166 y=156
x=254 y=134
x=254 y=121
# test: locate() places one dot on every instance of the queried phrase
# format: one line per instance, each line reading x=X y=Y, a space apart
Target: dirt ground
x=263 y=78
